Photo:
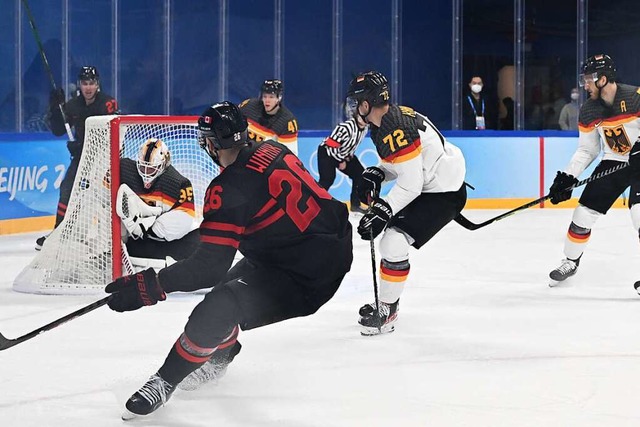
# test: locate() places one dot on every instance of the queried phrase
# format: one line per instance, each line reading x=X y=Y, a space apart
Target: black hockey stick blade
x=6 y=343
x=464 y=222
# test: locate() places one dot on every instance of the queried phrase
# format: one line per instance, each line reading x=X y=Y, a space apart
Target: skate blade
x=553 y=283
x=368 y=331
x=127 y=415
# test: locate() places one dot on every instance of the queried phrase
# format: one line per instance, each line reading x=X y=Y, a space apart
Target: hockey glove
x=370 y=184
x=559 y=190
x=634 y=160
x=75 y=148
x=135 y=291
x=56 y=97
x=375 y=219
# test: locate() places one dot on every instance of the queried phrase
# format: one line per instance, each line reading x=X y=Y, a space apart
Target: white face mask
x=476 y=88
x=575 y=96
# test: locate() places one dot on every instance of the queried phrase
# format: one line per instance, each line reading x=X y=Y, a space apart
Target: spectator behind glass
x=506 y=123
x=569 y=113
x=478 y=110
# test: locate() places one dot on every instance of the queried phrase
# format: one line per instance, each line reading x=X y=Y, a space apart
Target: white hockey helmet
x=153 y=160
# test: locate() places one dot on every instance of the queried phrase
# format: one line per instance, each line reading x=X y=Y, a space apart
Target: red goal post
x=85 y=252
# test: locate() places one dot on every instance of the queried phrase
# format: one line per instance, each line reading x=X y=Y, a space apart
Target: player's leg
x=634 y=207
x=414 y=226
x=66 y=186
x=595 y=201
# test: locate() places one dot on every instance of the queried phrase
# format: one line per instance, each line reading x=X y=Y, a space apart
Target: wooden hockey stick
x=6 y=343
x=463 y=221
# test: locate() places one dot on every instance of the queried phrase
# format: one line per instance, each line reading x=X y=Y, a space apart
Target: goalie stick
x=6 y=343
x=463 y=221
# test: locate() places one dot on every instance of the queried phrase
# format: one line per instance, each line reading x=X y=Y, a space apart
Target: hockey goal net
x=85 y=252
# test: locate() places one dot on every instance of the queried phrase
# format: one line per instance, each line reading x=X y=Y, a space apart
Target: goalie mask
x=153 y=160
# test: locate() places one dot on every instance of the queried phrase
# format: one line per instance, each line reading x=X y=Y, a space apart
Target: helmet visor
x=588 y=78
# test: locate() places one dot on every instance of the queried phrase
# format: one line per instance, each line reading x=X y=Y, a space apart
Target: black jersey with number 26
x=268 y=206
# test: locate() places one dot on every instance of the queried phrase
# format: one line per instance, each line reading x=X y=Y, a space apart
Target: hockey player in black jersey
x=428 y=192
x=155 y=203
x=90 y=101
x=268 y=118
x=296 y=242
x=608 y=121
x=338 y=151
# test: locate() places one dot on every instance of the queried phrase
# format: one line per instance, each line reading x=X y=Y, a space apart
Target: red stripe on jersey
x=330 y=142
x=222 y=241
x=188 y=356
x=415 y=146
x=222 y=226
x=159 y=195
x=266 y=222
x=288 y=137
x=576 y=236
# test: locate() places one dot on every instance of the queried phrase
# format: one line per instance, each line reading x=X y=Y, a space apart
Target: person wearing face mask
x=477 y=110
x=569 y=113
x=609 y=121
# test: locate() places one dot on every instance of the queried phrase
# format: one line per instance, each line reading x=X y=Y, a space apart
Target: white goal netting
x=85 y=252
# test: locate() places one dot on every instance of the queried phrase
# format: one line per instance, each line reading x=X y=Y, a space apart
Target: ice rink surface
x=481 y=340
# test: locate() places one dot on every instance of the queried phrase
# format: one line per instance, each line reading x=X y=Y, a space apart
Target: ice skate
x=150 y=397
x=567 y=269
x=40 y=241
x=383 y=323
x=212 y=370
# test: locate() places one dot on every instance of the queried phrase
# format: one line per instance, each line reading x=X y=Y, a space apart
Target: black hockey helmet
x=273 y=86
x=224 y=124
x=597 y=66
x=371 y=86
x=88 y=72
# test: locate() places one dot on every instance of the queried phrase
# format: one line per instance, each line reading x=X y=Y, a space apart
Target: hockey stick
x=32 y=22
x=463 y=221
x=376 y=310
x=6 y=343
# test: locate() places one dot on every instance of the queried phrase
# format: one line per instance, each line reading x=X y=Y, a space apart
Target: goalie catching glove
x=137 y=217
x=560 y=190
x=370 y=184
x=135 y=291
x=375 y=219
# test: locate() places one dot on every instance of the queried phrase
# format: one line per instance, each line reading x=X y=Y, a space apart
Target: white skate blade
x=553 y=283
x=128 y=415
x=368 y=331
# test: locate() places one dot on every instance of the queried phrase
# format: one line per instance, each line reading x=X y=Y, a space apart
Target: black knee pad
x=214 y=318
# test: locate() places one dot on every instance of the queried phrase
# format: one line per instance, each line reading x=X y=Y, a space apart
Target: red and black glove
x=135 y=291
x=375 y=219
x=560 y=190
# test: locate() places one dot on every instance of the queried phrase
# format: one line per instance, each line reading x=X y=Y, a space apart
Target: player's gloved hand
x=561 y=182
x=370 y=184
x=56 y=96
x=135 y=291
x=139 y=227
x=634 y=160
x=75 y=148
x=375 y=219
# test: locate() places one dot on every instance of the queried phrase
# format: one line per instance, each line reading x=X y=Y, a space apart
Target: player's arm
x=408 y=181
x=178 y=221
x=55 y=118
x=111 y=106
x=588 y=150
x=340 y=136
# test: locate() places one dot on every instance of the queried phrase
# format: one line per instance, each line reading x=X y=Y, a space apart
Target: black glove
x=561 y=182
x=134 y=291
x=375 y=219
x=56 y=97
x=370 y=183
x=634 y=160
x=75 y=148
